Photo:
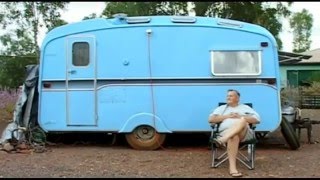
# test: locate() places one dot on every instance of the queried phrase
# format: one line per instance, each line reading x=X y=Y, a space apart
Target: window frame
x=72 y=55
x=236 y=74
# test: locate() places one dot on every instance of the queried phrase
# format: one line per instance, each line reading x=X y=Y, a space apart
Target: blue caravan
x=148 y=77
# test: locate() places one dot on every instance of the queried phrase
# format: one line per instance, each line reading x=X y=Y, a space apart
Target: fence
x=310 y=101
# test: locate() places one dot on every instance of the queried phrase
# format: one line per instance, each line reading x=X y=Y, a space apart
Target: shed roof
x=315 y=57
x=292 y=58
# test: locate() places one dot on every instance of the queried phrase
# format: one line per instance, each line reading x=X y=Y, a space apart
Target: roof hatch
x=135 y=20
x=183 y=19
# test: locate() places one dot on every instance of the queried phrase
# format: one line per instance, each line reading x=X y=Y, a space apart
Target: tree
x=55 y=23
x=301 y=23
x=22 y=21
x=172 y=8
x=145 y=8
x=261 y=13
x=18 y=43
x=28 y=18
x=90 y=16
x=12 y=70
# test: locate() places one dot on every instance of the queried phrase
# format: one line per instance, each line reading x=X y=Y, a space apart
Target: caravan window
x=236 y=62
x=80 y=54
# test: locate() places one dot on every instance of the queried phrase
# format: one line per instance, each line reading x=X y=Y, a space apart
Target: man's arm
x=217 y=115
x=219 y=118
x=214 y=118
x=252 y=117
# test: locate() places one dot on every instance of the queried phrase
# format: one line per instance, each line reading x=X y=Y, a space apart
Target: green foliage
x=172 y=8
x=130 y=8
x=91 y=16
x=17 y=43
x=27 y=18
x=145 y=8
x=261 y=13
x=301 y=23
x=12 y=70
x=55 y=23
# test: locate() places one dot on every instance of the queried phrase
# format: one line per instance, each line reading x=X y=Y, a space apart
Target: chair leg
x=213 y=154
x=218 y=159
x=309 y=131
x=253 y=155
x=248 y=161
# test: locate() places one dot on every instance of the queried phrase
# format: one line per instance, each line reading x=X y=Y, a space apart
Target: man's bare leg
x=232 y=150
x=239 y=128
x=233 y=137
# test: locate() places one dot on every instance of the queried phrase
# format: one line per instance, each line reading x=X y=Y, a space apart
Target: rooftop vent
x=134 y=20
x=120 y=16
x=184 y=19
x=229 y=23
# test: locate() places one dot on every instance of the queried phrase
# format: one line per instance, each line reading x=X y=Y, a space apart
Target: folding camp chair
x=246 y=153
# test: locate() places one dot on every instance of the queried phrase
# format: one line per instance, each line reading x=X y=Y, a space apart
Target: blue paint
x=156 y=73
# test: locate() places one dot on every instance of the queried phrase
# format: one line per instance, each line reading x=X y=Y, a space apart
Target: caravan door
x=81 y=81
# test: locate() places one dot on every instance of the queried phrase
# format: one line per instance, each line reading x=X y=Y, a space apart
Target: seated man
x=234 y=128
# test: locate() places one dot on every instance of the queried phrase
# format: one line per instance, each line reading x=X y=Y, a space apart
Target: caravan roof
x=124 y=22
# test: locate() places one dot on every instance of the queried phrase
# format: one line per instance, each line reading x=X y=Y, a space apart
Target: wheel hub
x=145 y=133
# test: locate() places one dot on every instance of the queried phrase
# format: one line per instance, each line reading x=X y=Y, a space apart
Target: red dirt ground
x=181 y=156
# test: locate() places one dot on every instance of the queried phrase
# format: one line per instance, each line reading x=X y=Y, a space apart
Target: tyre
x=289 y=134
x=145 y=138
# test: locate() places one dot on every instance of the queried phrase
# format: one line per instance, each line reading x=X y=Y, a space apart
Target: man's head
x=233 y=97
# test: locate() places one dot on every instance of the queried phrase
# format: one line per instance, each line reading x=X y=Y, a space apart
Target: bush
x=290 y=96
x=8 y=101
x=313 y=90
x=12 y=70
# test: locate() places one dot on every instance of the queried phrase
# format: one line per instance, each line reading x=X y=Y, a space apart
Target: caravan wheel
x=145 y=138
x=289 y=134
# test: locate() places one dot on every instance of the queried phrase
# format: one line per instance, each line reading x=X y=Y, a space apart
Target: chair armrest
x=252 y=126
x=215 y=129
x=215 y=126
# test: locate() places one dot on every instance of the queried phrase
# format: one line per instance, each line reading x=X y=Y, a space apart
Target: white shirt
x=241 y=109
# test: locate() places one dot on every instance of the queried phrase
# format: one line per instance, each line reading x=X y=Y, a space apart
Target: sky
x=75 y=11
x=286 y=34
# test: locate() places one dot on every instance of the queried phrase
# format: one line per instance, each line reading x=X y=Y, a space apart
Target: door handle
x=72 y=71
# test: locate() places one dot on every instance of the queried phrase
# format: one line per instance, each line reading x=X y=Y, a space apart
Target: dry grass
x=5 y=115
x=292 y=95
